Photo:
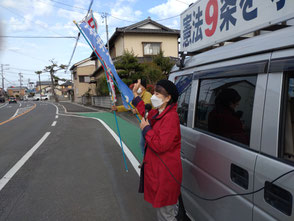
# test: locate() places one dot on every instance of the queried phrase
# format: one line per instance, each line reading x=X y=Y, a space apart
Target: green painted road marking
x=130 y=134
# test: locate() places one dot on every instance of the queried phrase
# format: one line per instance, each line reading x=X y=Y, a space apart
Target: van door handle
x=239 y=176
x=278 y=198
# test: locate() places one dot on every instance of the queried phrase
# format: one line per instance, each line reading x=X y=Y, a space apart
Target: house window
x=84 y=79
x=81 y=79
x=151 y=48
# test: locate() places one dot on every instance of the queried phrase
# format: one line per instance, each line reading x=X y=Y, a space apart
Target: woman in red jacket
x=162 y=168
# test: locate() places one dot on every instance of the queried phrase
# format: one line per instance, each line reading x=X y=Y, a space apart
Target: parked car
x=2 y=99
x=46 y=97
x=12 y=100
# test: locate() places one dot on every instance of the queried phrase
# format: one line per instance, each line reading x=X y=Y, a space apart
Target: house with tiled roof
x=145 y=39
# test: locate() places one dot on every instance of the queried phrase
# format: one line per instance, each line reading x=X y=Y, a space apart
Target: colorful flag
x=100 y=50
x=91 y=21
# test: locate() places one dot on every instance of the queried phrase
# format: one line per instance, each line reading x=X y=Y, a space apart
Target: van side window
x=224 y=107
x=183 y=84
x=288 y=150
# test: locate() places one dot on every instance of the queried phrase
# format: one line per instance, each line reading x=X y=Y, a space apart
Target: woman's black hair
x=161 y=90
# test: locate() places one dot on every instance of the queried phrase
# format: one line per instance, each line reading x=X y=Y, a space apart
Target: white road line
x=3 y=105
x=54 y=123
x=127 y=151
x=56 y=116
x=15 y=113
x=7 y=177
x=19 y=104
x=57 y=111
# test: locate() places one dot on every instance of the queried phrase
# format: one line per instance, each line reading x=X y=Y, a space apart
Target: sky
x=26 y=18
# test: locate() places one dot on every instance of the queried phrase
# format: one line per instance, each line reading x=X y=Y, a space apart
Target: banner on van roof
x=208 y=22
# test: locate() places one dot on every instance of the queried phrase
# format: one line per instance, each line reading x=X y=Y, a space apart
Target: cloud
x=82 y=45
x=32 y=7
x=170 y=8
x=70 y=15
x=15 y=24
x=14 y=49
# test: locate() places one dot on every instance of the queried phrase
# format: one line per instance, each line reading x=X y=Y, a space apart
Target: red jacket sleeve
x=162 y=139
x=140 y=105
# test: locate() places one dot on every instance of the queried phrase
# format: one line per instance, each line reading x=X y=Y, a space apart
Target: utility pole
x=2 y=74
x=20 y=84
x=39 y=73
x=20 y=80
x=104 y=15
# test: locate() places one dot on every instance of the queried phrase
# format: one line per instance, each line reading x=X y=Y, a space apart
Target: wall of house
x=14 y=92
x=134 y=42
x=42 y=87
x=119 y=46
x=80 y=88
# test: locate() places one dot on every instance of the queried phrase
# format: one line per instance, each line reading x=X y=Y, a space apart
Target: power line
x=183 y=2
x=15 y=73
x=21 y=69
x=10 y=36
x=168 y=18
x=61 y=3
x=77 y=39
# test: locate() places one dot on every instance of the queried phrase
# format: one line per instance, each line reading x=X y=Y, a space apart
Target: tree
x=164 y=63
x=102 y=88
x=52 y=69
x=152 y=73
x=39 y=73
x=128 y=66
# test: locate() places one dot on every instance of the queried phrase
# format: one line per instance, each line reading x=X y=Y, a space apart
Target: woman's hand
x=134 y=111
x=136 y=87
x=144 y=123
x=113 y=108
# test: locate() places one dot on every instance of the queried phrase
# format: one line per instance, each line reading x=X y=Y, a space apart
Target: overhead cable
x=10 y=36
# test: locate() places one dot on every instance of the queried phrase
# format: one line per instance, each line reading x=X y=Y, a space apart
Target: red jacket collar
x=167 y=109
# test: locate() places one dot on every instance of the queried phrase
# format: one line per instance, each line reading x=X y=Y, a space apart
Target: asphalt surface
x=72 y=107
x=8 y=110
x=77 y=173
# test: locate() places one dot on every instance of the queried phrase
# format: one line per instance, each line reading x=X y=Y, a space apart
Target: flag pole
x=109 y=89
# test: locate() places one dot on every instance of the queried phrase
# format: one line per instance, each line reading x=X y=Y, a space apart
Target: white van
x=236 y=108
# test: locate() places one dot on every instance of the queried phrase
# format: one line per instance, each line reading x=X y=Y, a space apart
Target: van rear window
x=224 y=107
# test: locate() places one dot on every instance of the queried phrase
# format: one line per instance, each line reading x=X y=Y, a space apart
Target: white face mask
x=156 y=102
x=139 y=91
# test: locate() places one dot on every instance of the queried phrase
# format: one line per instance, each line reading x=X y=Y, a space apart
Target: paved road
x=8 y=110
x=77 y=173
x=72 y=107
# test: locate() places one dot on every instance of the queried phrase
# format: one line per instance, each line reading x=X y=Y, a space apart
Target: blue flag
x=103 y=55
